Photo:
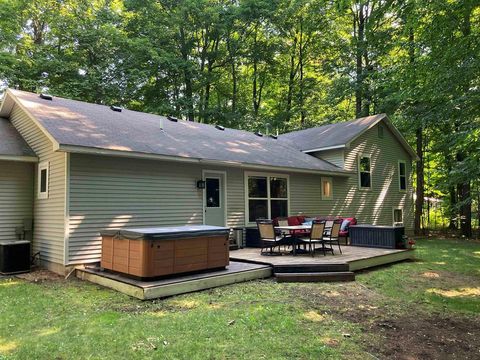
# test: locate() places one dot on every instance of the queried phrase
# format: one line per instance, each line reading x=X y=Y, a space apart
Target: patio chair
x=269 y=239
x=316 y=237
x=333 y=236
x=282 y=222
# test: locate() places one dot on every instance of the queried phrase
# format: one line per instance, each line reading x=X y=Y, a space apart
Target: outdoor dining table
x=293 y=228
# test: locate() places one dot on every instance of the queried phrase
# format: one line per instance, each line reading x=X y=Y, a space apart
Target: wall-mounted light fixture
x=200 y=184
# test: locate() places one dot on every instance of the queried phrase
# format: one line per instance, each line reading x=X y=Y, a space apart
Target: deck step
x=316 y=276
x=310 y=268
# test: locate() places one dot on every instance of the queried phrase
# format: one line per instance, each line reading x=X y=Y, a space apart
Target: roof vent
x=116 y=108
x=258 y=133
x=46 y=97
x=172 y=118
x=220 y=127
x=274 y=136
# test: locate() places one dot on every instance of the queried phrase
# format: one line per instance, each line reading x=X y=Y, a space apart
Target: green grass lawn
x=56 y=319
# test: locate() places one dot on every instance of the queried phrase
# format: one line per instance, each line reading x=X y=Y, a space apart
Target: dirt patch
x=388 y=332
x=431 y=274
x=41 y=276
x=418 y=336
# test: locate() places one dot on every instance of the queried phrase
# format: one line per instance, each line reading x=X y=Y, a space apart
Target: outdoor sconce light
x=200 y=184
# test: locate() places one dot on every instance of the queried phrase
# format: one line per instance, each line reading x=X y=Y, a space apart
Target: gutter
x=31 y=159
x=139 y=155
x=325 y=148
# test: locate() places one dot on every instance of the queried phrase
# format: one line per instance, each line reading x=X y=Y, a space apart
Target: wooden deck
x=354 y=258
x=247 y=264
x=144 y=290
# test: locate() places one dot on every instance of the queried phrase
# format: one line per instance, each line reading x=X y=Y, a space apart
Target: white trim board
x=32 y=159
x=205 y=162
x=246 y=197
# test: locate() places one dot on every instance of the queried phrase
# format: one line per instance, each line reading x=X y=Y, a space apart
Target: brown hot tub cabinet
x=161 y=251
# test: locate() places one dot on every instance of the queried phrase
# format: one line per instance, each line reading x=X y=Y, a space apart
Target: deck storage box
x=252 y=237
x=161 y=251
x=14 y=257
x=389 y=237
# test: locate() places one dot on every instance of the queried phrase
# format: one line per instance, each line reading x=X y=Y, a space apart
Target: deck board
x=141 y=289
x=356 y=257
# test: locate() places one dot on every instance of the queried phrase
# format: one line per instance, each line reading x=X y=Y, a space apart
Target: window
x=327 y=188
x=365 y=172
x=212 y=192
x=267 y=196
x=380 y=131
x=397 y=217
x=402 y=175
x=43 y=174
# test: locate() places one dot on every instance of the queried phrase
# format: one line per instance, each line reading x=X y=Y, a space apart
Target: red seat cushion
x=293 y=221
x=297 y=220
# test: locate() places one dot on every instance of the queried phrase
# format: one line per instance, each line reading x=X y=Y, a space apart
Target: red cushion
x=293 y=221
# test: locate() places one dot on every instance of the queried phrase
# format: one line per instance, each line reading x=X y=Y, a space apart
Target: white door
x=214 y=199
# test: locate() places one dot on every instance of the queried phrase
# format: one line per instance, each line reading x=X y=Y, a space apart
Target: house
x=75 y=168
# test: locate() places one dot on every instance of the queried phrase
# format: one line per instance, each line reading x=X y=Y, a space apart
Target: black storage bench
x=252 y=236
x=388 y=237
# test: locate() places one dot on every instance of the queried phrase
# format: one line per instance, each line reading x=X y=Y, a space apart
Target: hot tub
x=160 y=251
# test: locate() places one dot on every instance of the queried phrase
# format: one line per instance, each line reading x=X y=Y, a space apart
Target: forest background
x=274 y=66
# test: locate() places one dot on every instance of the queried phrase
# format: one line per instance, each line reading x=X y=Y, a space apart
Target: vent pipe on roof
x=161 y=123
x=116 y=108
x=46 y=97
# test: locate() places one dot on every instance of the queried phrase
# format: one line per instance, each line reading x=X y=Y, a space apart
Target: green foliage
x=250 y=64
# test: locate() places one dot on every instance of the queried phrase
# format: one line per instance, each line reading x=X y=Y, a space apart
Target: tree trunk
x=291 y=80
x=420 y=181
x=453 y=225
x=465 y=201
x=359 y=26
x=187 y=76
x=233 y=71
x=234 y=87
x=301 y=60
x=464 y=187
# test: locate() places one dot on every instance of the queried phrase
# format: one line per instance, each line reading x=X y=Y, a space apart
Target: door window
x=212 y=192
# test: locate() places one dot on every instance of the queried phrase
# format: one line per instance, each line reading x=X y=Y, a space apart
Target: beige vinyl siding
x=374 y=206
x=49 y=227
x=16 y=196
x=112 y=192
x=335 y=156
x=235 y=197
x=109 y=192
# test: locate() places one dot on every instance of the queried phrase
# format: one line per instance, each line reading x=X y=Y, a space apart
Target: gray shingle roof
x=76 y=123
x=11 y=142
x=329 y=135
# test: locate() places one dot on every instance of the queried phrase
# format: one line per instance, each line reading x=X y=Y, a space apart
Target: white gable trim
x=7 y=106
x=325 y=148
x=395 y=132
